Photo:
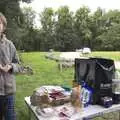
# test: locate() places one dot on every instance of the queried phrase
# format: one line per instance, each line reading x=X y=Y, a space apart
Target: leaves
x=62 y=29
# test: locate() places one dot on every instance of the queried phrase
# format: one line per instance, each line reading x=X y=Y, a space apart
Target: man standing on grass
x=8 y=66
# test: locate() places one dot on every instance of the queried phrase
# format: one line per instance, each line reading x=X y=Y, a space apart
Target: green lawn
x=46 y=72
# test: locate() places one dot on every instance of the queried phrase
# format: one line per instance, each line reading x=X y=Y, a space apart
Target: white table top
x=88 y=112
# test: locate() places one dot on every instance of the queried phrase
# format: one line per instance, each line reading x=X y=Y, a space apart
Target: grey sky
x=39 y=5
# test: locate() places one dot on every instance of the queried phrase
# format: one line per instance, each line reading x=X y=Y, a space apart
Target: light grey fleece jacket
x=8 y=56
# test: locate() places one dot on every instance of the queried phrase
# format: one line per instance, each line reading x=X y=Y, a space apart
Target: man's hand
x=1 y=67
x=6 y=68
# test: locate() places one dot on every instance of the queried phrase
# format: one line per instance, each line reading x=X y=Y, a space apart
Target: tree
x=81 y=25
x=64 y=32
x=28 y=38
x=47 y=27
x=110 y=40
x=12 y=11
x=97 y=27
x=102 y=28
x=29 y=17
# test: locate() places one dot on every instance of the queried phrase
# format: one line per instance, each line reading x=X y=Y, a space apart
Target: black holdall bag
x=97 y=73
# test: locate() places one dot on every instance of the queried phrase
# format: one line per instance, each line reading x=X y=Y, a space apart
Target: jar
x=116 y=86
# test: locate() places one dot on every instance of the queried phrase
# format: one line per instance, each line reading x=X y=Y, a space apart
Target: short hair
x=3 y=19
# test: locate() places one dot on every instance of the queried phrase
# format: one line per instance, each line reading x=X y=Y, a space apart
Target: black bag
x=97 y=73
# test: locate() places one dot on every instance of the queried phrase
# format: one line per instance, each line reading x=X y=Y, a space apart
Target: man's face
x=1 y=26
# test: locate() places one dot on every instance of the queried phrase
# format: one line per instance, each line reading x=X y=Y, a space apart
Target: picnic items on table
x=57 y=100
x=51 y=100
x=45 y=112
x=96 y=73
x=106 y=101
x=76 y=98
x=62 y=112
x=46 y=96
x=86 y=94
x=116 y=87
x=40 y=96
x=95 y=83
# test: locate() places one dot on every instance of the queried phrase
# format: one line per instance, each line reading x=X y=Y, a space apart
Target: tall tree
x=28 y=37
x=97 y=26
x=12 y=11
x=82 y=26
x=29 y=17
x=65 y=36
x=47 y=27
x=111 y=38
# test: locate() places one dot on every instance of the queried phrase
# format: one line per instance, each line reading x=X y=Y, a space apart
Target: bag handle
x=105 y=68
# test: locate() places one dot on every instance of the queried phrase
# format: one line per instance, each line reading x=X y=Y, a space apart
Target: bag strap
x=105 y=68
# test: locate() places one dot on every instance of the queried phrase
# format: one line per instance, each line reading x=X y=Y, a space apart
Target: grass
x=46 y=72
x=112 y=55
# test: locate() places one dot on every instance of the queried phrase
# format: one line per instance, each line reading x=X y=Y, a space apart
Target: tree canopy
x=62 y=30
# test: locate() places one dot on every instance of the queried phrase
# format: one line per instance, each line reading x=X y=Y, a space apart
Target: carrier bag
x=97 y=73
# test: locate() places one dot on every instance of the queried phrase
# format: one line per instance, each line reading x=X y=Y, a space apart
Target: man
x=8 y=66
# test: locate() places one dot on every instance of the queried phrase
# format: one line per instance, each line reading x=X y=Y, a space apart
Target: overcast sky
x=39 y=5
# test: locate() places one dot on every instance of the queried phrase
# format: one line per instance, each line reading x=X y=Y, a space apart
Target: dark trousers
x=7 y=111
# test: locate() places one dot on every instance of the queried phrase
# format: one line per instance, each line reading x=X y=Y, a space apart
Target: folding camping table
x=89 y=112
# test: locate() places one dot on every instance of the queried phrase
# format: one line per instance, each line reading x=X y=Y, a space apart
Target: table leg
x=29 y=114
x=119 y=115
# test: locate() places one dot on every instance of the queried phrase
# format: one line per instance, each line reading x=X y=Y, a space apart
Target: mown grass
x=46 y=72
x=112 y=55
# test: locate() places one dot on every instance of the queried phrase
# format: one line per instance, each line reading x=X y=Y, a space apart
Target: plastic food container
x=116 y=86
